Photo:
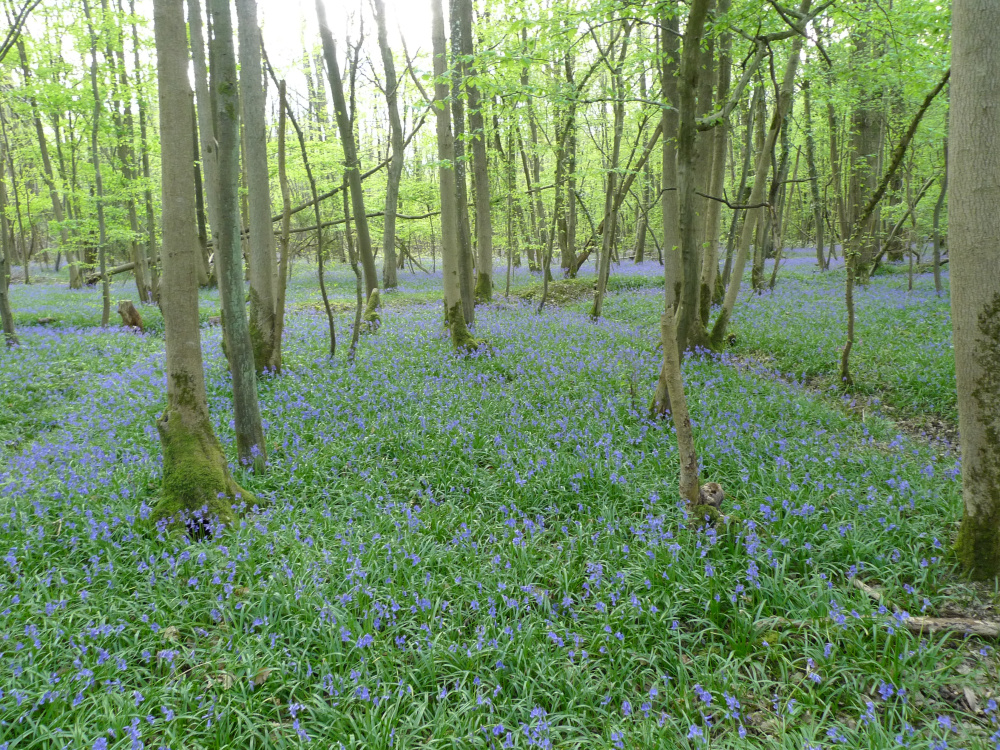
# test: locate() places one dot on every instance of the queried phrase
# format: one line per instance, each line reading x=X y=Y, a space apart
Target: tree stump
x=130 y=316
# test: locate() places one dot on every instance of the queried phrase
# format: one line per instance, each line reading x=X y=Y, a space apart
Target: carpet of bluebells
x=481 y=552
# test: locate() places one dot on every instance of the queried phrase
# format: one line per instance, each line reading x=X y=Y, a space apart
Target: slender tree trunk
x=47 y=173
x=853 y=246
x=454 y=314
x=461 y=185
x=6 y=246
x=610 y=207
x=755 y=215
x=286 y=220
x=938 y=287
x=668 y=200
x=720 y=142
x=396 y=165
x=151 y=256
x=98 y=182
x=195 y=472
x=755 y=103
x=687 y=202
x=206 y=121
x=228 y=255
x=974 y=237
x=262 y=260
x=352 y=164
x=480 y=166
x=817 y=204
x=642 y=221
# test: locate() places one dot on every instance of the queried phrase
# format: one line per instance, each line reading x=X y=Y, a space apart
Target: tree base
x=460 y=336
x=197 y=488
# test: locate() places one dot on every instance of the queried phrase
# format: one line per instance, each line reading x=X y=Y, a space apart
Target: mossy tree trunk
x=454 y=314
x=195 y=473
x=262 y=260
x=974 y=179
x=228 y=254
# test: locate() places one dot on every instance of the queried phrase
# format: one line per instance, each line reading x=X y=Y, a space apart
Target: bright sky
x=284 y=22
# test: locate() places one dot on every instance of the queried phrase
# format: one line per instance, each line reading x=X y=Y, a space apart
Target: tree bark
x=938 y=286
x=720 y=142
x=668 y=200
x=461 y=185
x=228 y=255
x=974 y=236
x=98 y=182
x=687 y=200
x=480 y=166
x=396 y=140
x=262 y=261
x=817 y=204
x=352 y=164
x=6 y=316
x=454 y=314
x=195 y=473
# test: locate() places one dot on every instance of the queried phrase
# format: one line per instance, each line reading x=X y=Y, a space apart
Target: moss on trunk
x=484 y=288
x=460 y=336
x=195 y=474
x=371 y=317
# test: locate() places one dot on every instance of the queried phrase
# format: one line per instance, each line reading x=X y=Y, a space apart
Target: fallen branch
x=95 y=276
x=915 y=625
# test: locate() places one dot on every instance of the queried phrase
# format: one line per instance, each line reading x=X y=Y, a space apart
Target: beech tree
x=195 y=472
x=974 y=181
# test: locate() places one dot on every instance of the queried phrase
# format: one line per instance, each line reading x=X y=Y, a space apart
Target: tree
x=264 y=333
x=396 y=165
x=352 y=166
x=228 y=254
x=195 y=472
x=974 y=181
x=454 y=314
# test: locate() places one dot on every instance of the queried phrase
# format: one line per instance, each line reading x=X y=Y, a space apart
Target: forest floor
x=488 y=551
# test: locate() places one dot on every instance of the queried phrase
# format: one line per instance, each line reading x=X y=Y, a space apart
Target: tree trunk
x=47 y=173
x=6 y=316
x=817 y=204
x=262 y=260
x=720 y=143
x=352 y=164
x=461 y=186
x=975 y=277
x=668 y=200
x=610 y=207
x=98 y=182
x=755 y=215
x=454 y=314
x=151 y=259
x=228 y=255
x=396 y=165
x=938 y=287
x=480 y=166
x=756 y=103
x=195 y=472
x=687 y=202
